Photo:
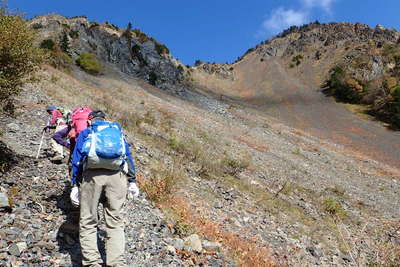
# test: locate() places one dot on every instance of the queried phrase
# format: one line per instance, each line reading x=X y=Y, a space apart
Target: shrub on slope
x=18 y=55
x=89 y=63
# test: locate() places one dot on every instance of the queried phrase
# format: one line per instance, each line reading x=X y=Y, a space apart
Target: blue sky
x=217 y=30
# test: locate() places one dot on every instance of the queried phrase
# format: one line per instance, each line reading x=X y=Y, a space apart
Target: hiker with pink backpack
x=73 y=123
x=78 y=123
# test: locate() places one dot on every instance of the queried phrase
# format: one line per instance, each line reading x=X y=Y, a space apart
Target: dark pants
x=60 y=137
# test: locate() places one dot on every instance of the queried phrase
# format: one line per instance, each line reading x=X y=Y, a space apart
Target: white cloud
x=324 y=4
x=282 y=18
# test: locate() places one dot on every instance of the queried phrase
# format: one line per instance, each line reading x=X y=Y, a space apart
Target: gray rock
x=4 y=203
x=3 y=243
x=314 y=251
x=211 y=246
x=193 y=243
x=170 y=249
x=13 y=127
x=177 y=243
x=17 y=248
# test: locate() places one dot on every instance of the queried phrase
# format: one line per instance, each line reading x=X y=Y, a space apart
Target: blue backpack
x=105 y=146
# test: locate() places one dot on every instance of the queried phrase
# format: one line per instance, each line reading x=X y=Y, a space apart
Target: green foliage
x=153 y=78
x=180 y=68
x=333 y=207
x=89 y=63
x=112 y=26
x=297 y=59
x=18 y=56
x=234 y=166
x=396 y=94
x=142 y=38
x=135 y=49
x=175 y=144
x=37 y=26
x=396 y=106
x=128 y=32
x=339 y=88
x=56 y=55
x=48 y=44
x=93 y=25
x=64 y=43
x=73 y=34
x=160 y=48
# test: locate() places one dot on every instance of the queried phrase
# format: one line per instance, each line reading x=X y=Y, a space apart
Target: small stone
x=246 y=219
x=4 y=203
x=193 y=243
x=218 y=205
x=170 y=249
x=17 y=248
x=211 y=246
x=177 y=243
x=313 y=251
x=29 y=238
x=3 y=243
x=13 y=127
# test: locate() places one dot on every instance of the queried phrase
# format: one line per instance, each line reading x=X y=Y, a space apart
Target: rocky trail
x=39 y=226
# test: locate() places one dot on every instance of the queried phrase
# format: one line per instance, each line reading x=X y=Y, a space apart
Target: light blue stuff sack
x=105 y=146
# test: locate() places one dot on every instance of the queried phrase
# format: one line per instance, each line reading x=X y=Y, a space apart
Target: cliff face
x=140 y=56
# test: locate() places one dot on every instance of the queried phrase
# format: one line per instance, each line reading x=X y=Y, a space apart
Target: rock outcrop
x=300 y=39
x=139 y=55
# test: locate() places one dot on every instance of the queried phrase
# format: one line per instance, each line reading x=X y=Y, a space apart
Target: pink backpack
x=79 y=119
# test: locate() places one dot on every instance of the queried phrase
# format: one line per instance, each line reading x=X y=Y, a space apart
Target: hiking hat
x=96 y=114
x=51 y=108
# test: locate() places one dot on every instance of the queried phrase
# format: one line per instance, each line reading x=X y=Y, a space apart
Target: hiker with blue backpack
x=102 y=164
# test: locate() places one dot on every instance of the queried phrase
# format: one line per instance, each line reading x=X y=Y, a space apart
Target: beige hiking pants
x=57 y=148
x=114 y=185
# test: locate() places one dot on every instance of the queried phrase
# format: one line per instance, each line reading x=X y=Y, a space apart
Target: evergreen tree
x=64 y=43
x=128 y=35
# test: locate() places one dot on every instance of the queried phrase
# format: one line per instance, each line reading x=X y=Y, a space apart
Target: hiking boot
x=57 y=158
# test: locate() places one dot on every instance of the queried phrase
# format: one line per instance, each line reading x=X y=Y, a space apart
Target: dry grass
x=245 y=141
x=162 y=183
x=247 y=251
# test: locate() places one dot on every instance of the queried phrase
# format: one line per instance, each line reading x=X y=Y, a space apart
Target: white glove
x=133 y=190
x=75 y=196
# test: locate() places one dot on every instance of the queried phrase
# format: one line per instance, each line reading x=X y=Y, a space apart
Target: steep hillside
x=284 y=76
x=246 y=161
x=239 y=177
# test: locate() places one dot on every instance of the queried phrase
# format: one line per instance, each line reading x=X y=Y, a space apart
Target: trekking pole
x=40 y=146
x=41 y=142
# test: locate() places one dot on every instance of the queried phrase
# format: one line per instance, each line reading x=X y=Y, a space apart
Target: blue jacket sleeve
x=78 y=157
x=131 y=166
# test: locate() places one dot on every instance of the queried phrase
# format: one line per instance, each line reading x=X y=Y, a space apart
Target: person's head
x=96 y=115
x=49 y=109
